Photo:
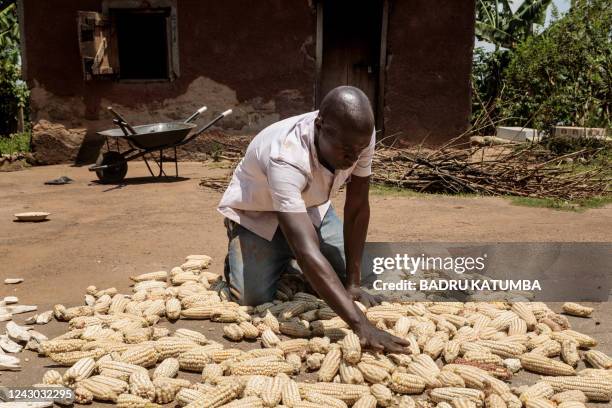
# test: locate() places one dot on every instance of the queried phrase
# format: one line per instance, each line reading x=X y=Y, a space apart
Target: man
x=277 y=208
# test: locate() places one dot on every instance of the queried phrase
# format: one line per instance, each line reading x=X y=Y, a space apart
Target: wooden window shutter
x=97 y=45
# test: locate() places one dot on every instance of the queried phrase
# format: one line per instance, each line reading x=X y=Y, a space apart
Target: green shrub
x=15 y=143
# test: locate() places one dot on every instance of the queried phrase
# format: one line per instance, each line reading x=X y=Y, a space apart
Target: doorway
x=351 y=48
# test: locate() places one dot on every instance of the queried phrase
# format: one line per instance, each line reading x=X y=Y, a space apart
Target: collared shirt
x=280 y=172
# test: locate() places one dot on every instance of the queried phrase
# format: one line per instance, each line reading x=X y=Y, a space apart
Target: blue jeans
x=253 y=265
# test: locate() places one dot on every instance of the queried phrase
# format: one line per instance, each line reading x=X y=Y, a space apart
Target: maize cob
x=494 y=401
x=324 y=400
x=134 y=401
x=135 y=336
x=482 y=357
x=159 y=275
x=543 y=365
x=269 y=339
x=502 y=348
x=350 y=374
x=195 y=358
x=211 y=371
x=576 y=309
x=117 y=385
x=373 y=374
x=142 y=386
x=407 y=383
x=319 y=345
x=517 y=326
x=187 y=395
x=382 y=395
x=330 y=365
x=537 y=390
x=451 y=351
x=351 y=348
x=326 y=313
x=119 y=366
x=450 y=379
x=443 y=405
x=249 y=330
x=271 y=393
x=61 y=346
x=367 y=401
x=71 y=357
x=168 y=368
x=314 y=360
x=173 y=308
x=295 y=328
x=595 y=388
x=582 y=339
x=569 y=352
x=523 y=310
x=142 y=355
x=348 y=393
x=100 y=392
x=434 y=347
x=247 y=402
x=597 y=359
x=219 y=396
x=191 y=335
x=463 y=403
x=52 y=377
x=79 y=371
x=571 y=404
x=233 y=332
x=402 y=326
x=165 y=390
x=293 y=346
x=448 y=394
x=296 y=362
x=405 y=401
x=306 y=404
x=290 y=393
x=550 y=348
x=539 y=402
x=511 y=400
x=268 y=368
x=83 y=396
x=566 y=396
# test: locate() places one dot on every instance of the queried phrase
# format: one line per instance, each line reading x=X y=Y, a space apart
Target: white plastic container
x=517 y=133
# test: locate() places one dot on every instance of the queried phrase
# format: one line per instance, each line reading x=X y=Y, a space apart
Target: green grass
x=15 y=143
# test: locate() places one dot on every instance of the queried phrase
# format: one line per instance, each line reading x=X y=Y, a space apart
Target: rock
x=53 y=143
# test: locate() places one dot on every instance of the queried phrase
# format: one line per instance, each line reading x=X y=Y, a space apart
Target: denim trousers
x=253 y=264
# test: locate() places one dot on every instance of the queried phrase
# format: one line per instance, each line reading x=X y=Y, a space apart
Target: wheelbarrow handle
x=120 y=118
x=196 y=114
x=205 y=127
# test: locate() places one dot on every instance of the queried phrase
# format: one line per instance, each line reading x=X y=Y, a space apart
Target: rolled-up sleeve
x=286 y=185
x=363 y=168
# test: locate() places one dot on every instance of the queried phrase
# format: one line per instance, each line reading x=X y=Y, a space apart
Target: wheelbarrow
x=111 y=166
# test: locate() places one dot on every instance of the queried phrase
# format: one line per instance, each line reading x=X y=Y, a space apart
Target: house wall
x=429 y=62
x=230 y=56
x=260 y=61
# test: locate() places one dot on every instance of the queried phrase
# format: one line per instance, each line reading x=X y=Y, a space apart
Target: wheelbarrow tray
x=155 y=136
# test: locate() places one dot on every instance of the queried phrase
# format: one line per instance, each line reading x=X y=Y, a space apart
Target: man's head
x=344 y=126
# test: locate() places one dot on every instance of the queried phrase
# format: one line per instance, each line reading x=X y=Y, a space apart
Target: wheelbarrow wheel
x=117 y=170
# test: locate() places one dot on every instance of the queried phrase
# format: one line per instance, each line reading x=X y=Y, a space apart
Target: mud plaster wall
x=429 y=45
x=257 y=60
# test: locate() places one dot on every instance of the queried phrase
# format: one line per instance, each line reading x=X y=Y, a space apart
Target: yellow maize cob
x=543 y=365
x=271 y=393
x=249 y=330
x=79 y=371
x=503 y=349
x=119 y=366
x=290 y=393
x=142 y=355
x=448 y=394
x=168 y=368
x=319 y=345
x=61 y=346
x=382 y=395
x=351 y=348
x=187 y=395
x=83 y=396
x=482 y=357
x=348 y=393
x=571 y=395
x=293 y=346
x=407 y=383
x=324 y=400
x=598 y=372
x=349 y=374
x=233 y=332
x=495 y=401
x=158 y=275
x=71 y=357
x=450 y=379
x=367 y=401
x=373 y=374
x=330 y=365
x=199 y=312
x=598 y=359
x=268 y=368
x=269 y=339
x=576 y=309
x=192 y=335
x=595 y=388
x=142 y=386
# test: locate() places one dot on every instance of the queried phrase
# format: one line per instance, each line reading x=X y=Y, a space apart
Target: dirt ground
x=99 y=235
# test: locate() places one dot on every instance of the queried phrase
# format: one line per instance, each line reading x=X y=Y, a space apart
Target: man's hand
x=360 y=295
x=378 y=340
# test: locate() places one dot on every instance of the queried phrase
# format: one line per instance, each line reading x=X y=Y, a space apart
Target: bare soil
x=100 y=234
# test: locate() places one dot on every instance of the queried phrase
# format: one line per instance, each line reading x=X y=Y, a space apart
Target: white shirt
x=280 y=172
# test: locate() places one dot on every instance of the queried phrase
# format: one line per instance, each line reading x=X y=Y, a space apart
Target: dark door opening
x=351 y=45
x=142 y=42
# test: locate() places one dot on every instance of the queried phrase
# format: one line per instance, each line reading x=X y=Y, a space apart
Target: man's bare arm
x=304 y=242
x=356 y=220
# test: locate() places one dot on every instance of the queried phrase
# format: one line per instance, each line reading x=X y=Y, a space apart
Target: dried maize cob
x=247 y=402
x=450 y=379
x=451 y=351
x=271 y=393
x=142 y=386
x=405 y=401
x=539 y=402
x=537 y=390
x=348 y=393
x=117 y=385
x=448 y=394
x=211 y=371
x=61 y=346
x=502 y=348
x=187 y=395
x=293 y=346
x=571 y=404
x=434 y=347
x=269 y=339
x=296 y=362
x=324 y=400
x=569 y=352
x=195 y=358
x=168 y=368
x=576 y=309
x=373 y=374
x=142 y=355
x=595 y=388
x=268 y=368
x=571 y=395
x=550 y=348
x=330 y=365
x=319 y=345
x=597 y=359
x=582 y=339
x=494 y=401
x=233 y=332
x=71 y=357
x=463 y=403
x=52 y=377
x=407 y=383
x=83 y=396
x=100 y=392
x=219 y=396
x=295 y=328
x=350 y=374
x=134 y=401
x=249 y=330
x=173 y=308
x=351 y=348
x=543 y=365
x=79 y=371
x=314 y=360
x=382 y=395
x=367 y=401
